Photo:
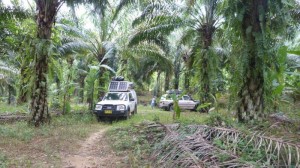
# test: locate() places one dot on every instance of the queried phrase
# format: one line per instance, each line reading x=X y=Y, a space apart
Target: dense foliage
x=209 y=48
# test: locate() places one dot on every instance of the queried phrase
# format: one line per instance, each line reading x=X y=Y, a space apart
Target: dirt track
x=94 y=152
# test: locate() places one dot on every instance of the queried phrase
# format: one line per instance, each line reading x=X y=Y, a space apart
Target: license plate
x=107 y=111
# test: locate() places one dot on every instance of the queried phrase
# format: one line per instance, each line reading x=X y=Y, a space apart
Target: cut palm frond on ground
x=204 y=146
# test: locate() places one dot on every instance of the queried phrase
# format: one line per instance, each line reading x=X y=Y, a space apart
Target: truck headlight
x=98 y=107
x=121 y=107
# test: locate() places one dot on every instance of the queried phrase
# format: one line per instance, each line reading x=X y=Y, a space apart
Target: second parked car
x=185 y=102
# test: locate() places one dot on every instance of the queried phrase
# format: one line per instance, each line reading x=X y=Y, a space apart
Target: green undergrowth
x=3 y=160
x=21 y=142
x=24 y=132
x=134 y=138
x=138 y=142
x=24 y=108
x=13 y=109
x=165 y=117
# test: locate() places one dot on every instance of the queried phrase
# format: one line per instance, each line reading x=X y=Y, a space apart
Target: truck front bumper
x=110 y=113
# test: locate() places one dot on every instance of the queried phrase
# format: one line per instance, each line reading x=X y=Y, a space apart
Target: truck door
x=188 y=103
x=131 y=103
x=181 y=103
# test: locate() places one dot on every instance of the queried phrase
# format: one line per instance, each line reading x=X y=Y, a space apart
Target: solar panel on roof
x=113 y=85
x=122 y=86
x=119 y=86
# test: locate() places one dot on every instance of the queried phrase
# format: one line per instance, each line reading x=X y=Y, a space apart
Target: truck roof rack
x=121 y=86
x=117 y=78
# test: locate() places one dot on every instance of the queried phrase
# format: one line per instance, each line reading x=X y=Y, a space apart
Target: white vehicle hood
x=113 y=102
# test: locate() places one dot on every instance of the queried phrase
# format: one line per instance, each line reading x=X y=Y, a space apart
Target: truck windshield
x=115 y=96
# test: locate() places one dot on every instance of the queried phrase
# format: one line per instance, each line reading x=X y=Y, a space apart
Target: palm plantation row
x=208 y=47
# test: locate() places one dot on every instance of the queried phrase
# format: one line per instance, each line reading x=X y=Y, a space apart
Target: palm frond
x=6 y=69
x=200 y=145
x=152 y=32
x=15 y=12
x=146 y=14
x=152 y=52
x=99 y=7
x=107 y=67
x=72 y=31
x=109 y=54
x=187 y=37
x=77 y=46
x=120 y=6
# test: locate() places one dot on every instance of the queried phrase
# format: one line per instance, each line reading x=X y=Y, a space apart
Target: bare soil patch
x=94 y=152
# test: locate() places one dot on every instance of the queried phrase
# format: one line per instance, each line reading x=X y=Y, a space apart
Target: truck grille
x=109 y=107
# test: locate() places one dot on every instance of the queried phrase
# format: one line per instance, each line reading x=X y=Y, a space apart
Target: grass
x=165 y=117
x=290 y=109
x=22 y=145
x=12 y=109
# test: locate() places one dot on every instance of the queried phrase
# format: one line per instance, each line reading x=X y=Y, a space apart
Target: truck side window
x=186 y=98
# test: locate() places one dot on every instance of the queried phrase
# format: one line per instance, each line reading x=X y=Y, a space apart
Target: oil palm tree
x=46 y=15
x=256 y=25
x=203 y=20
x=15 y=35
x=148 y=46
x=8 y=75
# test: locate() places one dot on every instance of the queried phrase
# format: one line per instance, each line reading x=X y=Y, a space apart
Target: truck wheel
x=135 y=109
x=195 y=108
x=128 y=116
x=99 y=118
x=171 y=108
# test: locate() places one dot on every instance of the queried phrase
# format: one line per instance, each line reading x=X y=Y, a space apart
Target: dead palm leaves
x=204 y=146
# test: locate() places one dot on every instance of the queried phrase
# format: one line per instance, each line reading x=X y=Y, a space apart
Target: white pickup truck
x=120 y=101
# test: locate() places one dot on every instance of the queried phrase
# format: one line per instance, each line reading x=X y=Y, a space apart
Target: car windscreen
x=186 y=97
x=166 y=97
x=115 y=96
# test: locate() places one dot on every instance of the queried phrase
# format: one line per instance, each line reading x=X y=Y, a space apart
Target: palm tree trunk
x=167 y=81
x=204 y=79
x=176 y=76
x=251 y=106
x=45 y=19
x=22 y=96
x=91 y=99
x=157 y=84
x=176 y=83
x=102 y=81
x=10 y=93
x=66 y=98
x=81 y=90
x=206 y=32
x=39 y=104
x=187 y=81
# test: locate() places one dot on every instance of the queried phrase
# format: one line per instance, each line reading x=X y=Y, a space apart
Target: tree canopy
x=248 y=50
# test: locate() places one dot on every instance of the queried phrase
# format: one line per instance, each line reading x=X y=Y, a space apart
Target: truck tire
x=135 y=109
x=128 y=115
x=99 y=118
x=171 y=108
x=195 y=108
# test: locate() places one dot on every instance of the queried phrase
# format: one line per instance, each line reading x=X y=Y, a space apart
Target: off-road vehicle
x=119 y=101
